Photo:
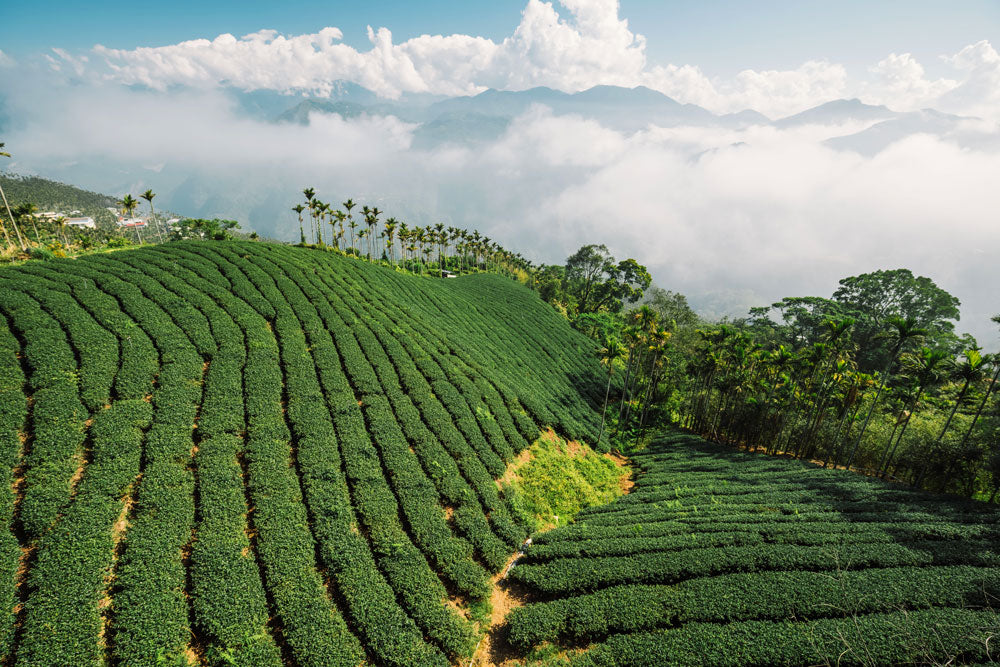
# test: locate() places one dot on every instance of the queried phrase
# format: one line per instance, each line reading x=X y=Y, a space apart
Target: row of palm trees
x=641 y=348
x=814 y=402
x=366 y=235
x=128 y=204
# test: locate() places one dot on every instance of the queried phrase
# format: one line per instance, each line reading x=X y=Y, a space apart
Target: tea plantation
x=234 y=453
x=241 y=453
x=719 y=557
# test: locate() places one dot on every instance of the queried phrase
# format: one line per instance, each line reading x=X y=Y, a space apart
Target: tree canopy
x=597 y=282
x=874 y=298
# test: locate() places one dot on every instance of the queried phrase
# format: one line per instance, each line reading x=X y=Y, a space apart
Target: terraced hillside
x=239 y=453
x=725 y=558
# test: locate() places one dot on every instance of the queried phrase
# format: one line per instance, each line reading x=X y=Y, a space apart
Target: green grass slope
x=720 y=557
x=252 y=454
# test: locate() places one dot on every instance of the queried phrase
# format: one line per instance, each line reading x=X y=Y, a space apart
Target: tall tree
x=10 y=216
x=927 y=367
x=61 y=226
x=990 y=388
x=298 y=208
x=148 y=196
x=348 y=205
x=29 y=210
x=610 y=353
x=598 y=282
x=873 y=299
x=310 y=195
x=128 y=204
x=902 y=332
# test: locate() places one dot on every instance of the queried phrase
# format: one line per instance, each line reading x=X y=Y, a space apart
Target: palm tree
x=61 y=226
x=335 y=217
x=928 y=367
x=309 y=194
x=128 y=204
x=439 y=238
x=20 y=240
x=28 y=211
x=969 y=371
x=372 y=221
x=990 y=388
x=610 y=353
x=148 y=196
x=298 y=208
x=390 y=233
x=905 y=331
x=349 y=204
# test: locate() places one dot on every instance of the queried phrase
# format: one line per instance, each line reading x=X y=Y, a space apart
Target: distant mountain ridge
x=483 y=117
x=477 y=119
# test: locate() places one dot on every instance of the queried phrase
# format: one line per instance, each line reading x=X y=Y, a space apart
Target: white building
x=87 y=222
x=131 y=222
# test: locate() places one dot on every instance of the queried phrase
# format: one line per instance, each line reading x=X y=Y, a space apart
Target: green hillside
x=720 y=557
x=50 y=195
x=242 y=453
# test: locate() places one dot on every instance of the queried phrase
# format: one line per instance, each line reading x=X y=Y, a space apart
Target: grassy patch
x=554 y=479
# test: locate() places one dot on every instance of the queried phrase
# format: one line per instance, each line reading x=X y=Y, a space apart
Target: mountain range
x=477 y=119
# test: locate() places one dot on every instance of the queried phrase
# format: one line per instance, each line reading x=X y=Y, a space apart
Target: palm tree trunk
x=607 y=392
x=9 y=215
x=152 y=216
x=972 y=426
x=902 y=431
x=886 y=456
x=954 y=409
x=861 y=433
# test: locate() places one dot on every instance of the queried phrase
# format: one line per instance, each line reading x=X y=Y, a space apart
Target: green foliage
x=556 y=482
x=595 y=281
x=722 y=557
x=215 y=229
x=261 y=455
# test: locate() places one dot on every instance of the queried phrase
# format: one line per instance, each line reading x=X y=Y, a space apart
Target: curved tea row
x=241 y=453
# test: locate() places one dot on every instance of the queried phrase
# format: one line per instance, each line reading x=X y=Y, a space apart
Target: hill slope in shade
x=725 y=558
x=240 y=453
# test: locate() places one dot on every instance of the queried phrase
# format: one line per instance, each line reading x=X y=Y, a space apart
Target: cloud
x=979 y=93
x=731 y=217
x=900 y=83
x=570 y=46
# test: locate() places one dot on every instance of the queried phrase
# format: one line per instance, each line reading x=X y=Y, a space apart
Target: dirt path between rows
x=494 y=650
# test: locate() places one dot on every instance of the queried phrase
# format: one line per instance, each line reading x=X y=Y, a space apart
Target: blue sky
x=721 y=36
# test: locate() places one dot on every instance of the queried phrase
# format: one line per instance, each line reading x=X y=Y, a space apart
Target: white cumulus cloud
x=570 y=46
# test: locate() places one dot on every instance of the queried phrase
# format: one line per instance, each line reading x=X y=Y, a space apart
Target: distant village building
x=87 y=222
x=131 y=222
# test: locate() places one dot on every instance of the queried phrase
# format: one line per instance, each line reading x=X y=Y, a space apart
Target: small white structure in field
x=87 y=222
